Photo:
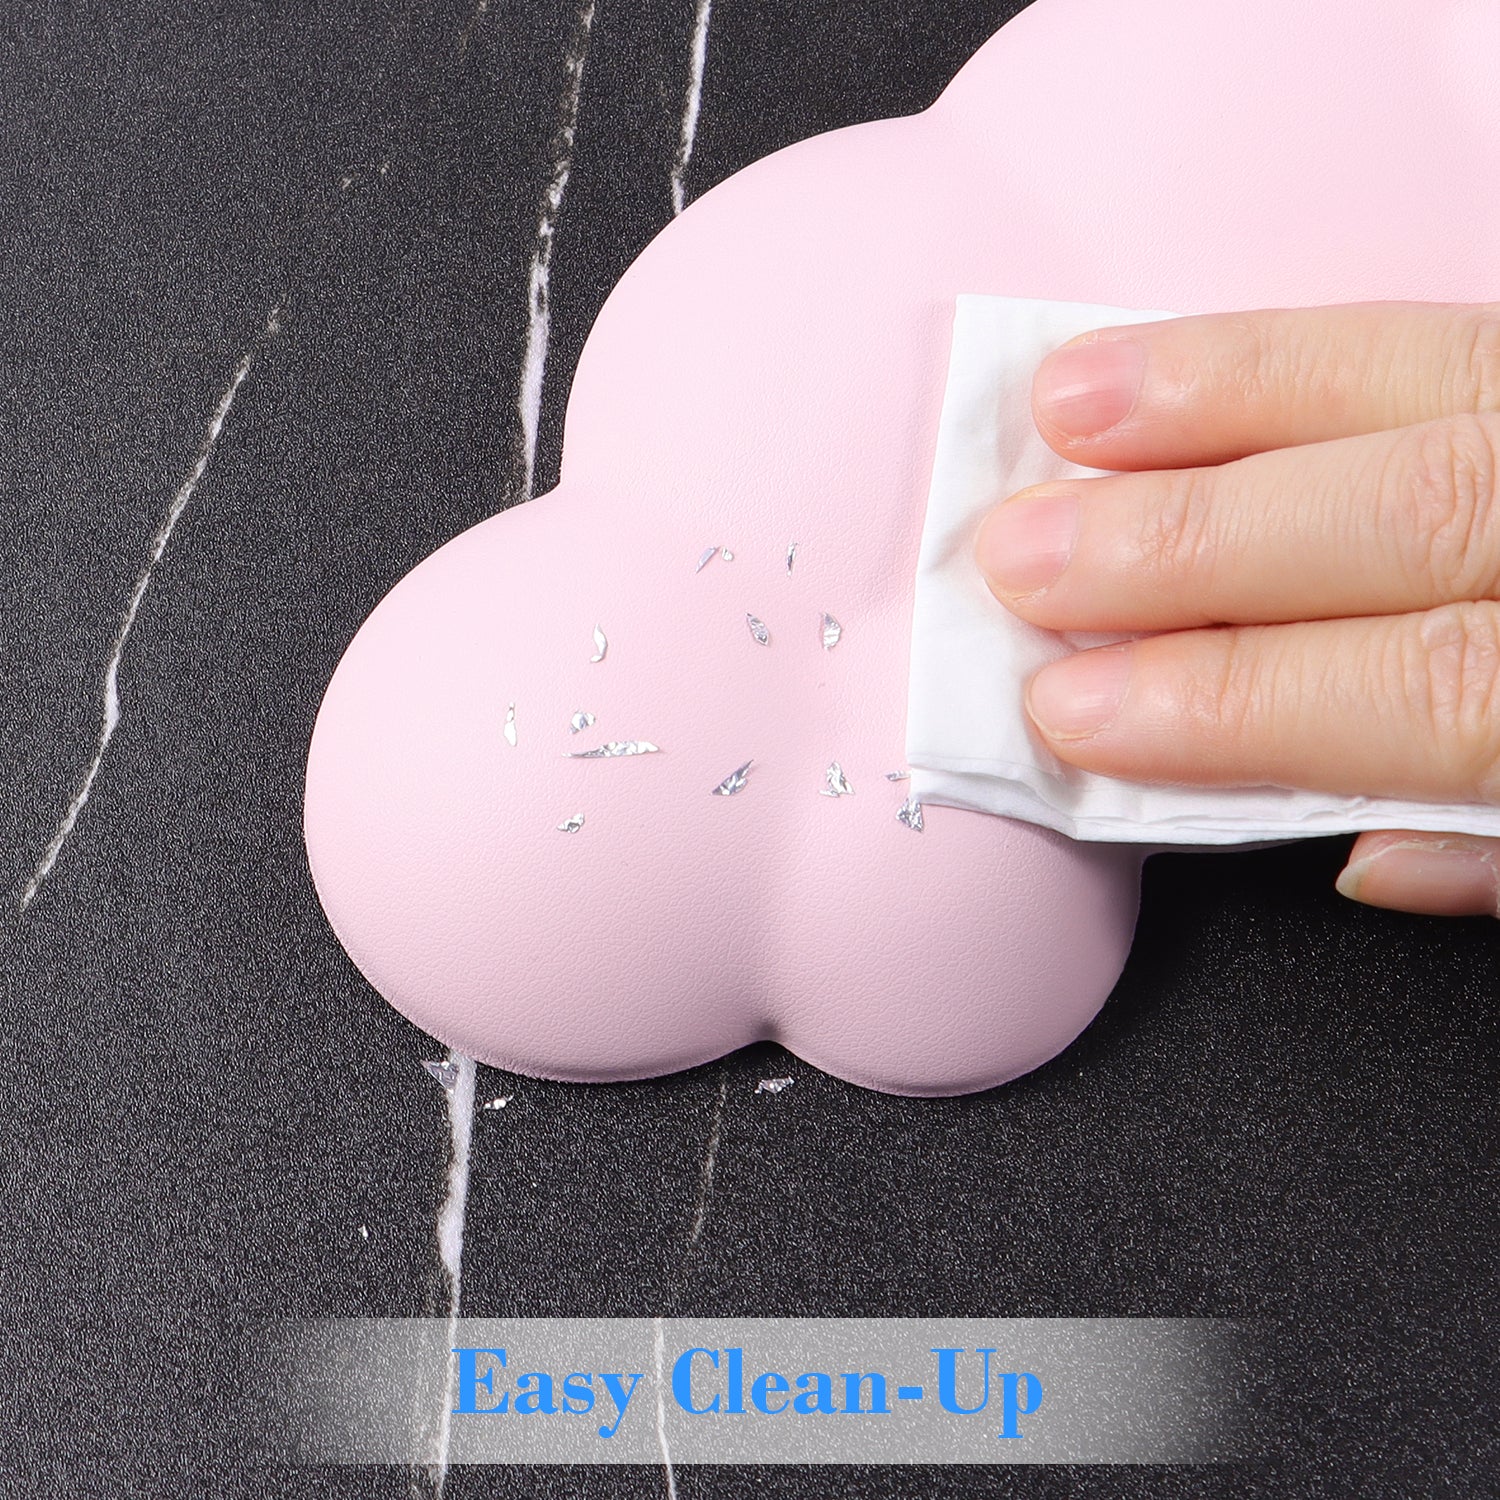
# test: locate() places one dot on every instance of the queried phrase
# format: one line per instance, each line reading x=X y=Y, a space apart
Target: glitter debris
x=580 y=721
x=791 y=558
x=601 y=645
x=832 y=632
x=910 y=813
x=734 y=782
x=726 y=554
x=898 y=775
x=497 y=1104
x=709 y=553
x=758 y=631
x=838 y=783
x=571 y=825
x=612 y=748
x=773 y=1085
x=510 y=725
x=445 y=1072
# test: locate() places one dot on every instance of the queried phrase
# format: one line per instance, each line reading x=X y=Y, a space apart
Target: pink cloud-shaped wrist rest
x=770 y=371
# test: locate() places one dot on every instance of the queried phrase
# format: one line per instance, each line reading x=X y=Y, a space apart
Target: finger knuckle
x=1271 y=354
x=1225 y=698
x=1176 y=539
x=1475 y=367
x=1447 y=498
x=1451 y=670
x=1248 y=356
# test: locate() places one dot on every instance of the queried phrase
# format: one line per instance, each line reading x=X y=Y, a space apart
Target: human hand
x=1314 y=525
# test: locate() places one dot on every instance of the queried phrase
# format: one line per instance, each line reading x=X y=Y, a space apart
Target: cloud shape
x=770 y=371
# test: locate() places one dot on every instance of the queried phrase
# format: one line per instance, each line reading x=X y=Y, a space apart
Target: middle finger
x=1387 y=523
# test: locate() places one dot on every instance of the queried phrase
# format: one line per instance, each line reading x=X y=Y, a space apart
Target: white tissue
x=968 y=740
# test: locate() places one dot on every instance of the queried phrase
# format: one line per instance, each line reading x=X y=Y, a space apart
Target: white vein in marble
x=539 y=282
x=706 y=1174
x=175 y=511
x=697 y=61
x=450 y=1231
x=659 y=1351
x=481 y=10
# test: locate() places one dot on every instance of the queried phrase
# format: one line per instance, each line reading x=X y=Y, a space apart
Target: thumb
x=1442 y=875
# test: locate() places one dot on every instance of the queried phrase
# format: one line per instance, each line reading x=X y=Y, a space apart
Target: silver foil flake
x=364 y=1231
x=709 y=553
x=510 y=725
x=601 y=645
x=580 y=721
x=445 y=1072
x=838 y=783
x=613 y=748
x=773 y=1085
x=571 y=825
x=726 y=554
x=791 y=557
x=758 y=630
x=832 y=632
x=898 y=775
x=498 y=1104
x=734 y=782
x=910 y=813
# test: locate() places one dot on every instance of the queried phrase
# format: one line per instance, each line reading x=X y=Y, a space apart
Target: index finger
x=1209 y=388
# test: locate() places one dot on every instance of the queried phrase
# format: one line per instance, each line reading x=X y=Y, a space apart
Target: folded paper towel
x=968 y=740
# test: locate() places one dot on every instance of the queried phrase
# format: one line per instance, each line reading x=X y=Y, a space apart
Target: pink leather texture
x=770 y=371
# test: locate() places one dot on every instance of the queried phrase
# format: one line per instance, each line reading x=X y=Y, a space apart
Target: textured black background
x=1286 y=1109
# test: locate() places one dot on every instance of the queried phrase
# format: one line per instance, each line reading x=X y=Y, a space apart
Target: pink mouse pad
x=770 y=372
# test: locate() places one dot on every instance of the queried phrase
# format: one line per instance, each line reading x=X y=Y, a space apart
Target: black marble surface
x=1285 y=1112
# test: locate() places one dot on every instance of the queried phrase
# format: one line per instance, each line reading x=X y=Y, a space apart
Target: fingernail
x=1443 y=876
x=1025 y=544
x=1086 y=389
x=1081 y=694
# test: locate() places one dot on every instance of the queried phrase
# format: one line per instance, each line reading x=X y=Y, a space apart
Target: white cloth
x=969 y=743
